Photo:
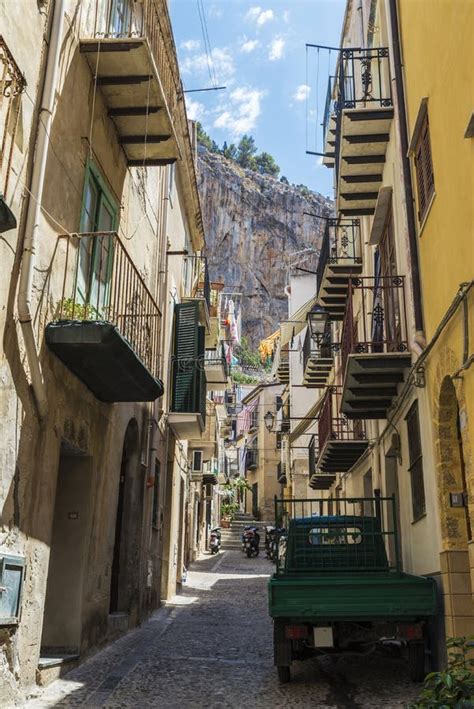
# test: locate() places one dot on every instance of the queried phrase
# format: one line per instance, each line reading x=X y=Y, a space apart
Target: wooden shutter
x=187 y=343
x=424 y=169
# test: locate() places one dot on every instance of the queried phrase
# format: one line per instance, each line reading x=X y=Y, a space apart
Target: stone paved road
x=212 y=648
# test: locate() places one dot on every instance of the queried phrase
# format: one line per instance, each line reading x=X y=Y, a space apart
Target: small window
x=334 y=535
x=424 y=169
x=416 y=463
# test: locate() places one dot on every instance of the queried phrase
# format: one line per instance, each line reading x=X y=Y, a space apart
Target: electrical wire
x=207 y=44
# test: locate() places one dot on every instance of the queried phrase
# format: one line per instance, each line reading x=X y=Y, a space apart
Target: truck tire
x=416 y=660
x=284 y=674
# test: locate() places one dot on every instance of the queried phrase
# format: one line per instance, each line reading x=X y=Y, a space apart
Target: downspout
x=33 y=214
x=407 y=182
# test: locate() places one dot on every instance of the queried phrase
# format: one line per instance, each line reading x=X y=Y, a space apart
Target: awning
x=303 y=425
x=296 y=323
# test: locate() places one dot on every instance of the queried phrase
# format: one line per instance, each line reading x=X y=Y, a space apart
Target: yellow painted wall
x=438 y=54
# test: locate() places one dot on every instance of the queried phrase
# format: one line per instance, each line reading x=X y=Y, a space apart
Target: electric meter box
x=12 y=571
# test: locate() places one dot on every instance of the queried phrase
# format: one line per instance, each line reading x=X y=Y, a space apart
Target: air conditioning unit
x=197 y=462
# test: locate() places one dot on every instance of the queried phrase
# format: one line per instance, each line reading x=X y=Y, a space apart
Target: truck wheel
x=284 y=674
x=416 y=661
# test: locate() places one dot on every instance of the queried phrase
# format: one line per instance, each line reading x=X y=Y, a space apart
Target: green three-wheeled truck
x=338 y=587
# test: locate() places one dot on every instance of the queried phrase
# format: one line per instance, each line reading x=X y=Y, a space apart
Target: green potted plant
x=454 y=687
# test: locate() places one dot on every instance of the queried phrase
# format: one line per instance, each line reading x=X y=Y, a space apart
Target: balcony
x=317 y=361
x=187 y=415
x=374 y=346
x=214 y=336
x=108 y=327
x=281 y=473
x=216 y=368
x=283 y=371
x=317 y=480
x=341 y=441
x=207 y=441
x=357 y=122
x=251 y=460
x=130 y=51
x=339 y=259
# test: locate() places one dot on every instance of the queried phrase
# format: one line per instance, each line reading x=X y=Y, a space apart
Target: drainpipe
x=407 y=182
x=33 y=214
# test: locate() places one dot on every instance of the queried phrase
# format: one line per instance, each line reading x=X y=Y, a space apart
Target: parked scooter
x=251 y=541
x=272 y=540
x=215 y=540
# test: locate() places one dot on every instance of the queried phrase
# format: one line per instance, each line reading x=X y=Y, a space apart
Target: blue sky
x=258 y=52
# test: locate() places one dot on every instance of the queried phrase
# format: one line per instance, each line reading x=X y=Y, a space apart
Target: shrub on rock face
x=454 y=687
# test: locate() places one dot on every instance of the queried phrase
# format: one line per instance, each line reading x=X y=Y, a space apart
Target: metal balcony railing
x=12 y=83
x=203 y=287
x=318 y=350
x=381 y=323
x=362 y=81
x=217 y=358
x=101 y=283
x=122 y=19
x=333 y=426
x=341 y=246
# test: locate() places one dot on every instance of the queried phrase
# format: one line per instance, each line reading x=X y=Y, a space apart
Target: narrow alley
x=211 y=646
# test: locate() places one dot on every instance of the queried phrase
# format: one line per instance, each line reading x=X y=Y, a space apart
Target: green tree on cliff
x=266 y=164
x=246 y=150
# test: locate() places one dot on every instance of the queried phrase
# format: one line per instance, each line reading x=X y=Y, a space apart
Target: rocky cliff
x=254 y=224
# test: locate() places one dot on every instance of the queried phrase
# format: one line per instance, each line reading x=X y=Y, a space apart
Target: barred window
x=416 y=463
x=424 y=168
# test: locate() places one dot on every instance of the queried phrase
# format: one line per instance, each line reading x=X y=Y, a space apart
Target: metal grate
x=337 y=535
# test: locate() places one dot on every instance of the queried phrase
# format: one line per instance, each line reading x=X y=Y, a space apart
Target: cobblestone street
x=212 y=647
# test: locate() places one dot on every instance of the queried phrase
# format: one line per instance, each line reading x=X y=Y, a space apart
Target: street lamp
x=269 y=418
x=317 y=320
x=7 y=218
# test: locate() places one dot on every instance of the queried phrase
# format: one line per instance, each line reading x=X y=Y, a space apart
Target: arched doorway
x=456 y=526
x=123 y=582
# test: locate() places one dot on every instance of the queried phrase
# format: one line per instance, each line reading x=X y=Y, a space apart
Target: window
x=416 y=463
x=99 y=215
x=424 y=168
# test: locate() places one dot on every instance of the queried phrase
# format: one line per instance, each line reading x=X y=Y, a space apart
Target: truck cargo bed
x=351 y=596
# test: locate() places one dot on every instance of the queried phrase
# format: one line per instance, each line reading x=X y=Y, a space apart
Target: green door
x=99 y=214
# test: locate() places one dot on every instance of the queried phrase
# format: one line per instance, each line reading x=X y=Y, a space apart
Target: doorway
x=62 y=620
x=124 y=578
x=255 y=500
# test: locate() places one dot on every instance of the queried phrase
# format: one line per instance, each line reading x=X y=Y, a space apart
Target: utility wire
x=207 y=44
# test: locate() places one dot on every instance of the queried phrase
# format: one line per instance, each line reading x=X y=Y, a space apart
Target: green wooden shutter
x=188 y=369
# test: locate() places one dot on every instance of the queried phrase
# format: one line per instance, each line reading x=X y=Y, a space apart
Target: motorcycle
x=251 y=541
x=215 y=540
x=269 y=533
x=275 y=537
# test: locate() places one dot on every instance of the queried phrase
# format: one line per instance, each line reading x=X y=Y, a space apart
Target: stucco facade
x=96 y=497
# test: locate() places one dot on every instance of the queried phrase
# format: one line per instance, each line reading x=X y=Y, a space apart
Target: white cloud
x=194 y=109
x=249 y=46
x=222 y=61
x=286 y=16
x=215 y=11
x=277 y=48
x=302 y=92
x=191 y=44
x=259 y=16
x=241 y=115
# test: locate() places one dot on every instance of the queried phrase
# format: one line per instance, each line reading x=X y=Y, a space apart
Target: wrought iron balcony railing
x=341 y=247
x=215 y=359
x=102 y=283
x=203 y=287
x=12 y=83
x=332 y=426
x=381 y=324
x=362 y=80
x=251 y=459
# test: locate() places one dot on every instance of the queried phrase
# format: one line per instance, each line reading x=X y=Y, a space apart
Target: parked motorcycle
x=275 y=535
x=215 y=540
x=251 y=541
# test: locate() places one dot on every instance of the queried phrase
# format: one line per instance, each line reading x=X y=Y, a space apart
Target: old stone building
x=105 y=315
